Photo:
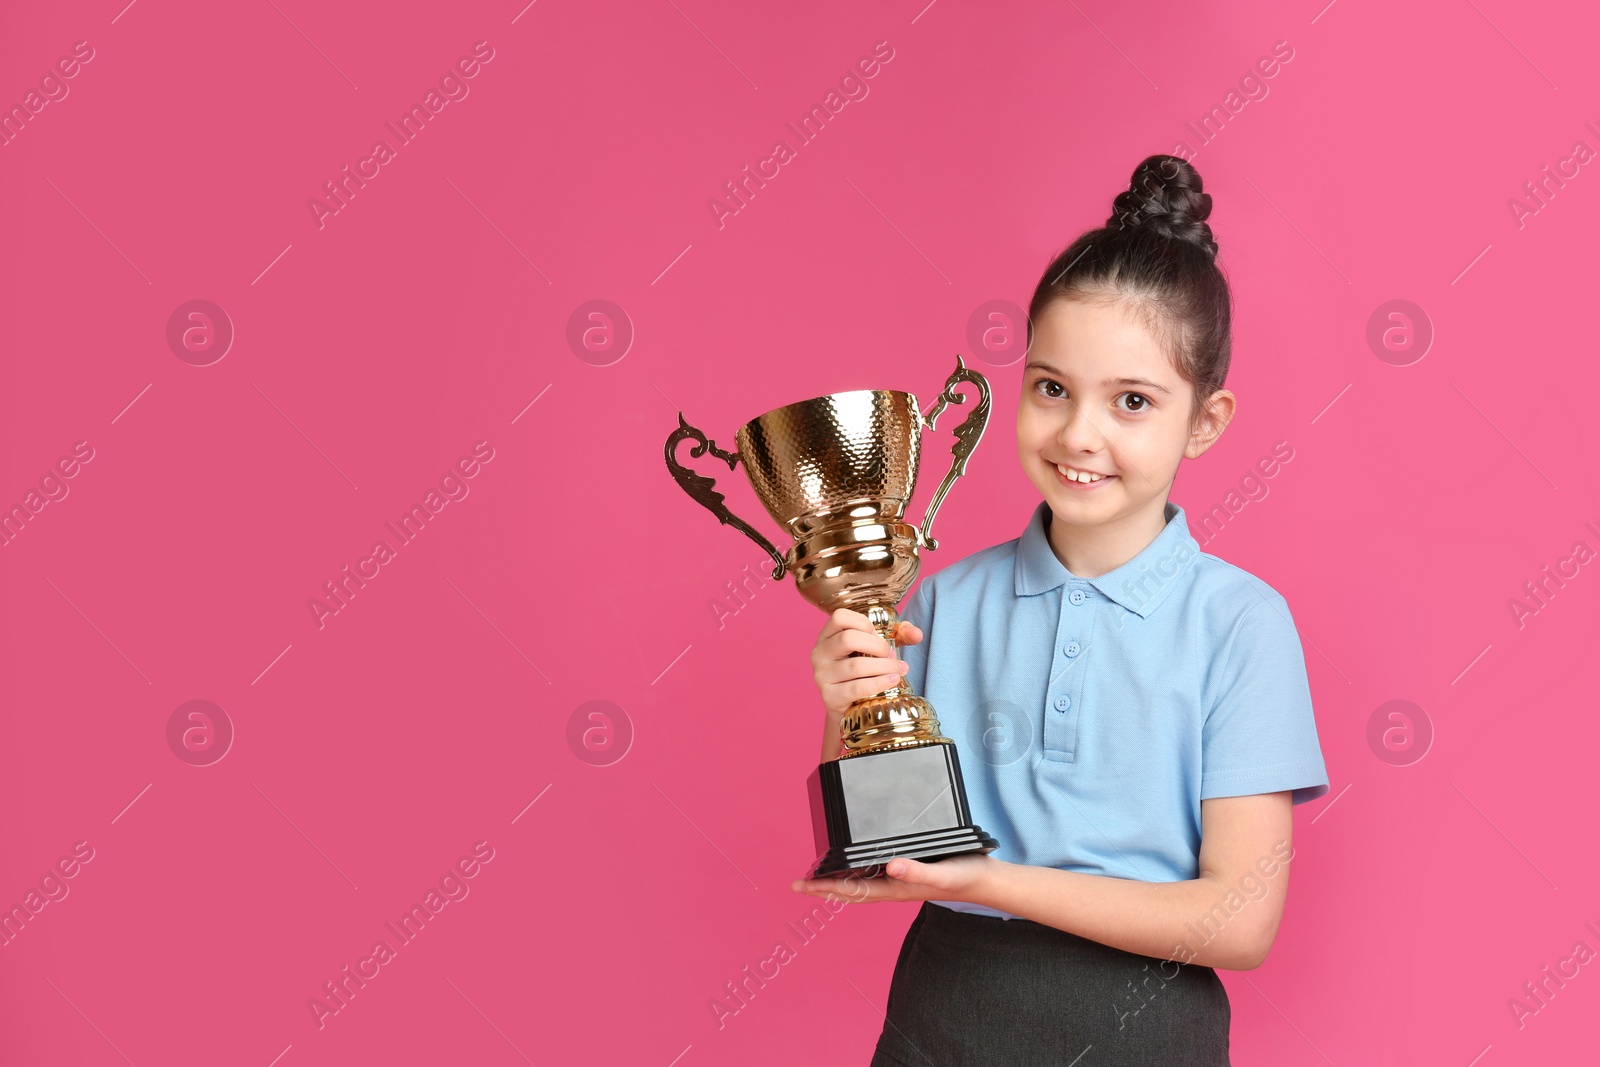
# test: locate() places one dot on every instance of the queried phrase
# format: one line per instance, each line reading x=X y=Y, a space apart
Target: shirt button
x=1063 y=703
x=1071 y=649
x=1078 y=596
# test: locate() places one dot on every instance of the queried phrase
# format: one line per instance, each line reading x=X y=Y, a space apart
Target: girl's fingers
x=867 y=643
x=841 y=619
x=866 y=687
x=844 y=670
x=848 y=645
x=857 y=634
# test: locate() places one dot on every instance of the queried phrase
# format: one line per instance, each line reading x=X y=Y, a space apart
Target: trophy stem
x=894 y=718
x=886 y=620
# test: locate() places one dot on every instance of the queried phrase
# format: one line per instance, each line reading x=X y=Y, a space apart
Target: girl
x=1134 y=715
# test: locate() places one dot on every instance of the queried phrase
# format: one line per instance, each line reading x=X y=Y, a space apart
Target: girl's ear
x=1214 y=417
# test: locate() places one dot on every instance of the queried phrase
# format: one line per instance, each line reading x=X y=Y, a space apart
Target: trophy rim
x=910 y=396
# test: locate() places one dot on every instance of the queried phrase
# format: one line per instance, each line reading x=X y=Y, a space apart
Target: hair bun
x=1165 y=195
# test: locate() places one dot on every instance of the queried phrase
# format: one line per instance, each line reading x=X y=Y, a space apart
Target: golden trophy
x=837 y=472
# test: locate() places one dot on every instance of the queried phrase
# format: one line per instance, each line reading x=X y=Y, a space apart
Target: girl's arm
x=1227 y=917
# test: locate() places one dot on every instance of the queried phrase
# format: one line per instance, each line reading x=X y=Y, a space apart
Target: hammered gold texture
x=814 y=458
x=897 y=718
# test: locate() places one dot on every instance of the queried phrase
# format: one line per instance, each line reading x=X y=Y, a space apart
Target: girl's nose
x=1078 y=431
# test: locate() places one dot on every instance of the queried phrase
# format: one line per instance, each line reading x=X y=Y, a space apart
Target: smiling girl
x=1135 y=712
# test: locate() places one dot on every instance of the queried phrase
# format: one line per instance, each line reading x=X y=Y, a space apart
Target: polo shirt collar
x=1140 y=585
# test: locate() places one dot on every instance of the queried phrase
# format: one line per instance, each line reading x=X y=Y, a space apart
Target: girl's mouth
x=1080 y=480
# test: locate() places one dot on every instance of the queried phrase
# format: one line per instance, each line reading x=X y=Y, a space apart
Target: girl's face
x=1105 y=417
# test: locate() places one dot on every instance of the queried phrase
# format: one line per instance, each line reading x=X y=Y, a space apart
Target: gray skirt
x=971 y=990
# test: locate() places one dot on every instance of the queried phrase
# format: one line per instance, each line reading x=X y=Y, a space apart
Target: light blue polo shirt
x=1093 y=715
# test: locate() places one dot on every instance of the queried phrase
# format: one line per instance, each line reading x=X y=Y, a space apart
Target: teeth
x=1073 y=475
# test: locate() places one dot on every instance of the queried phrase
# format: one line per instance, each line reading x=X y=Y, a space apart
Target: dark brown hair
x=1156 y=255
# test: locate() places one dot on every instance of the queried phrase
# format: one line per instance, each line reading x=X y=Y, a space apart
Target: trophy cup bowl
x=836 y=472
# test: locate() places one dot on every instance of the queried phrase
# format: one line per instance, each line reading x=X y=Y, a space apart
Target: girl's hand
x=961 y=878
x=850 y=661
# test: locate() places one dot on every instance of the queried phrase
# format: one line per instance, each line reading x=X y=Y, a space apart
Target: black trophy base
x=909 y=802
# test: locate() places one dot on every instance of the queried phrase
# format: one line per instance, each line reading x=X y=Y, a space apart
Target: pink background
x=372 y=353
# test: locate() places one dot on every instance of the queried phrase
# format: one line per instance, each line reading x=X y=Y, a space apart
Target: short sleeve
x=919 y=613
x=1260 y=735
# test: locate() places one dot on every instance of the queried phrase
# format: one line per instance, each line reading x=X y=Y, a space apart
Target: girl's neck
x=1090 y=551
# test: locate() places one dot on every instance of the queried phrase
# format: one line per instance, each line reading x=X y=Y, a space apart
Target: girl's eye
x=1046 y=384
x=1137 y=401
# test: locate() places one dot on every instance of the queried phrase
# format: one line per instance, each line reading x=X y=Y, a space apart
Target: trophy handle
x=968 y=434
x=704 y=490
